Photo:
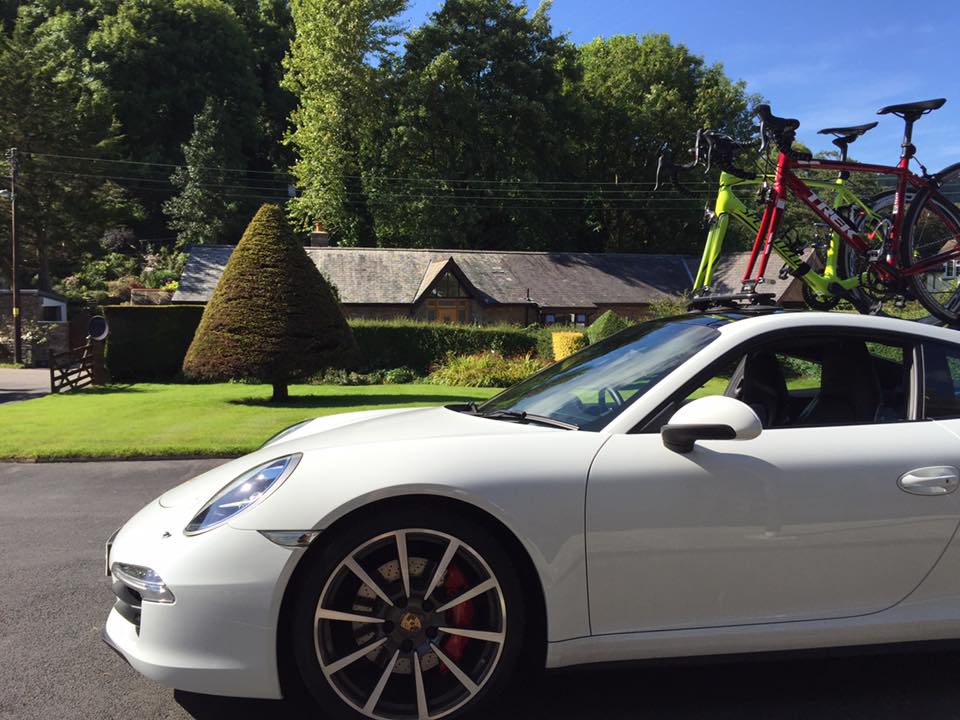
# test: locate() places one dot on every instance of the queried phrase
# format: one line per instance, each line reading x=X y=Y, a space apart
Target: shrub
x=606 y=325
x=402 y=343
x=544 y=338
x=486 y=369
x=567 y=343
x=339 y=376
x=148 y=342
x=669 y=306
x=400 y=376
x=272 y=316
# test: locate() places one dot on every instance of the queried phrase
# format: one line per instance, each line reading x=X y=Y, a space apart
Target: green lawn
x=147 y=420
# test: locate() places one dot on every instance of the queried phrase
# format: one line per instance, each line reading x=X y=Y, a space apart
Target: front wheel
x=415 y=613
x=932 y=228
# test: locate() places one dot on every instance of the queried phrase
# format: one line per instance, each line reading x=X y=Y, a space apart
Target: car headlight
x=283 y=433
x=242 y=493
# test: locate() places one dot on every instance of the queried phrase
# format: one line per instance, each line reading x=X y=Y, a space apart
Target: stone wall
x=39 y=337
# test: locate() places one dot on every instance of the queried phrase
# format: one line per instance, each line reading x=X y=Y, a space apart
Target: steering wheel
x=615 y=396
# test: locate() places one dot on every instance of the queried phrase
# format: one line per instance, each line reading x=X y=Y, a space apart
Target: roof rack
x=743 y=302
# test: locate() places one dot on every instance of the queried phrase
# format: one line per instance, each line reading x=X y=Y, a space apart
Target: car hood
x=348 y=429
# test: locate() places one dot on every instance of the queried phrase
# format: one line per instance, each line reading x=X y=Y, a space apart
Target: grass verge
x=153 y=420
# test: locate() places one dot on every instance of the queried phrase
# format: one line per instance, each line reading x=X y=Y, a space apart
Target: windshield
x=595 y=385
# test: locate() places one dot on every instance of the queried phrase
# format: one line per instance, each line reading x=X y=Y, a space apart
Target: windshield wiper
x=525 y=417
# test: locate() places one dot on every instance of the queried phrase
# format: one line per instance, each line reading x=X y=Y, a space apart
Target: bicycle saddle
x=914 y=108
x=853 y=131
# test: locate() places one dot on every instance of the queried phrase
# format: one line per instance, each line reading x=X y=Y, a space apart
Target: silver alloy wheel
x=410 y=624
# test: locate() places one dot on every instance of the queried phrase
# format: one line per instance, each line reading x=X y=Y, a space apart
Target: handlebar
x=724 y=151
x=718 y=148
x=781 y=131
x=665 y=162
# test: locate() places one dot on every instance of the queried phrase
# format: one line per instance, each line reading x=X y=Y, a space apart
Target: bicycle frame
x=787 y=183
x=728 y=206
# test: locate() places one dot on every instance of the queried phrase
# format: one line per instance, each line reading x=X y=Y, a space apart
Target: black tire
x=325 y=570
x=931 y=227
x=850 y=262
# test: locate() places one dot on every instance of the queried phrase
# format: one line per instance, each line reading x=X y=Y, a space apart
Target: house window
x=550 y=319
x=580 y=320
x=448 y=287
x=950 y=270
x=51 y=313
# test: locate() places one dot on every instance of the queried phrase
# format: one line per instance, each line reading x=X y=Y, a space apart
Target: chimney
x=319 y=237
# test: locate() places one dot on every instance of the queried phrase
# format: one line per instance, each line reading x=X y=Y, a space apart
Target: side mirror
x=710 y=418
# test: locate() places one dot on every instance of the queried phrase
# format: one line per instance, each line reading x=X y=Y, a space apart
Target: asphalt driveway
x=23 y=384
x=54 y=599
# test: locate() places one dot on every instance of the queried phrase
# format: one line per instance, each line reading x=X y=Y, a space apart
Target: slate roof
x=386 y=276
x=728 y=274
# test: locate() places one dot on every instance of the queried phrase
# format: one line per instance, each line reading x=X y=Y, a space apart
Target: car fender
x=532 y=483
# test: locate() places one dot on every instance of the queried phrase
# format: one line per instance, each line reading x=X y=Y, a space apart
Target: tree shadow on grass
x=350 y=400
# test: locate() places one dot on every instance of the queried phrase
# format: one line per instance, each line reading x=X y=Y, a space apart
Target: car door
x=821 y=516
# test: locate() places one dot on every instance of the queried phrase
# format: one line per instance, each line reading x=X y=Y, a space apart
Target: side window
x=717 y=384
x=941 y=381
x=821 y=381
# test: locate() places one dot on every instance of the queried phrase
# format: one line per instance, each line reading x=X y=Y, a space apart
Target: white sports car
x=708 y=484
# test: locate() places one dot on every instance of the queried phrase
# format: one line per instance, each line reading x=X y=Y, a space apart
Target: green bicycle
x=830 y=274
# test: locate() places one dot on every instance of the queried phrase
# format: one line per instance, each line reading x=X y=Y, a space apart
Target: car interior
x=824 y=382
x=806 y=382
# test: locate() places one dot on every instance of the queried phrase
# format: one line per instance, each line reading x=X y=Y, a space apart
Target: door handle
x=938 y=480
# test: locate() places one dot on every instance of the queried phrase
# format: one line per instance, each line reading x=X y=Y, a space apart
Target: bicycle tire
x=925 y=214
x=850 y=262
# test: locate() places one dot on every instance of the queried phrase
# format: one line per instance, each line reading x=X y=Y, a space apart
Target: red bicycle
x=911 y=256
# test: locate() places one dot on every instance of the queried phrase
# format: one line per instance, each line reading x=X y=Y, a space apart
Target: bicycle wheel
x=851 y=263
x=932 y=227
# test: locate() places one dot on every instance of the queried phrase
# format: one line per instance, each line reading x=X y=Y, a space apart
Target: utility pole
x=14 y=268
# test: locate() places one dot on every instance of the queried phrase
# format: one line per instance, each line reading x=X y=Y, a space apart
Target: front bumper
x=219 y=636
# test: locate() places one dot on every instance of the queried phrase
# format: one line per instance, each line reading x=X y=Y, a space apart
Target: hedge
x=567 y=343
x=400 y=343
x=149 y=342
x=606 y=325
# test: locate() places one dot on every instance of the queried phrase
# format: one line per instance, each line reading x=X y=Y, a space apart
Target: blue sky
x=825 y=63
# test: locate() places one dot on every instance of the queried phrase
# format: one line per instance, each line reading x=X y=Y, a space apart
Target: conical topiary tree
x=273 y=317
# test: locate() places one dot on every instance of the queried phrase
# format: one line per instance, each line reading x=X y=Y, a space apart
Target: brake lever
x=663 y=151
x=763 y=137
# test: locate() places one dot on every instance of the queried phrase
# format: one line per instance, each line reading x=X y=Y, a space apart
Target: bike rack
x=743 y=302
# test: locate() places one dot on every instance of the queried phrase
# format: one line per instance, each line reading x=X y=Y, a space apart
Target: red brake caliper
x=459 y=616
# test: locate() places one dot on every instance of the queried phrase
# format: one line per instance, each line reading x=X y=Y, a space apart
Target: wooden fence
x=73 y=369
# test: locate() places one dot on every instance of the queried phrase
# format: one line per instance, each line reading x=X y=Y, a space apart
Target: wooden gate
x=72 y=369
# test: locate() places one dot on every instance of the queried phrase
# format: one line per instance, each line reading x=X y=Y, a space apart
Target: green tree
x=201 y=213
x=273 y=317
x=48 y=108
x=639 y=93
x=159 y=61
x=480 y=103
x=336 y=70
x=269 y=29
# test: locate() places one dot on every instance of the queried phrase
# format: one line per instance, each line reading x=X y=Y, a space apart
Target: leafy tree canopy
x=479 y=99
x=202 y=213
x=46 y=108
x=638 y=93
x=336 y=70
x=161 y=60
